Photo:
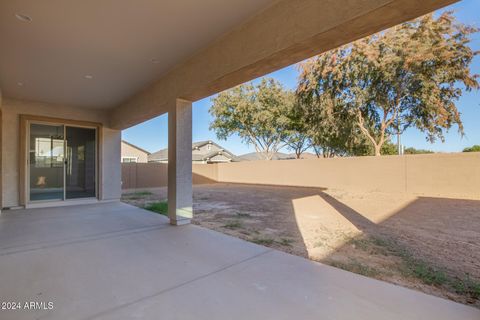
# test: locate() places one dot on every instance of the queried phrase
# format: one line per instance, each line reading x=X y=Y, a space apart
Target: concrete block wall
x=455 y=175
x=155 y=175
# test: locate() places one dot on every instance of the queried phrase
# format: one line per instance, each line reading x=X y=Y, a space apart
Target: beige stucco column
x=180 y=162
x=1 y=154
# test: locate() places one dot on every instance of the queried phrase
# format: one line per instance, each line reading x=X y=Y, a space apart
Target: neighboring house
x=132 y=153
x=202 y=152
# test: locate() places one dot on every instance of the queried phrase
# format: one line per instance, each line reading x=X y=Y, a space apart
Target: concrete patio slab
x=114 y=261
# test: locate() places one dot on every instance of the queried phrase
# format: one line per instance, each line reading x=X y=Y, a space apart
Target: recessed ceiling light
x=23 y=17
x=88 y=76
x=155 y=61
x=20 y=84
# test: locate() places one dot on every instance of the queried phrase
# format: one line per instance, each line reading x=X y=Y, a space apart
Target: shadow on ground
x=429 y=244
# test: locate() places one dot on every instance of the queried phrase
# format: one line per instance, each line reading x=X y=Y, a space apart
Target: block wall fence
x=455 y=175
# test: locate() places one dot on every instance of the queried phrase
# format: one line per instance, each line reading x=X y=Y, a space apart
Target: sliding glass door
x=46 y=160
x=80 y=164
x=62 y=162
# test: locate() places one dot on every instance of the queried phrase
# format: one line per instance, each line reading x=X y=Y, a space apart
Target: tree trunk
x=328 y=153
x=317 y=152
x=378 y=149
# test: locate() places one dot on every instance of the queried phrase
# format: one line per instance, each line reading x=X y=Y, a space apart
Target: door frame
x=24 y=176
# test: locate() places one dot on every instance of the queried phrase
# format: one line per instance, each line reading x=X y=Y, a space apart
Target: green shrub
x=475 y=148
x=158 y=207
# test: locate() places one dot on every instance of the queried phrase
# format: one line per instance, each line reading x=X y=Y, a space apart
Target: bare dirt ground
x=428 y=244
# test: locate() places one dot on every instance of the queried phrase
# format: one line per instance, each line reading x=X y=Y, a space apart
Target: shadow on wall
x=155 y=175
x=439 y=175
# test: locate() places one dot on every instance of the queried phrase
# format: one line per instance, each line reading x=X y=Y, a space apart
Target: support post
x=180 y=162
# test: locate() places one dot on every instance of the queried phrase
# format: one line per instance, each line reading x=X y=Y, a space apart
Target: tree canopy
x=329 y=125
x=351 y=100
x=474 y=148
x=408 y=75
x=297 y=137
x=258 y=114
x=412 y=150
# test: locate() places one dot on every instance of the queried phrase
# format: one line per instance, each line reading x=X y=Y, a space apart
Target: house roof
x=162 y=155
x=136 y=147
x=202 y=157
x=159 y=155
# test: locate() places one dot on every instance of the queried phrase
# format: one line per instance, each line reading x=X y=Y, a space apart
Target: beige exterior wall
x=110 y=178
x=437 y=175
x=130 y=151
x=1 y=153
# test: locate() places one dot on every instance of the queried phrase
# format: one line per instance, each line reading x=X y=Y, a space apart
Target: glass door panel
x=46 y=162
x=80 y=165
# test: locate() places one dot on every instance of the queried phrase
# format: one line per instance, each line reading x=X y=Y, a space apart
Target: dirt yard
x=428 y=244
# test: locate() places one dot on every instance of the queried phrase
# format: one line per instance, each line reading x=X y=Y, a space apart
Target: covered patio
x=115 y=261
x=73 y=74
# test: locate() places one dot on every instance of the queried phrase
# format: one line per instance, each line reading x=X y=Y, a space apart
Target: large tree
x=297 y=137
x=258 y=114
x=408 y=75
x=329 y=125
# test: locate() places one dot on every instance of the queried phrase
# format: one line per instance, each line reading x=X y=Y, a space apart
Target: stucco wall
x=154 y=175
x=1 y=151
x=11 y=111
x=445 y=175
x=438 y=175
x=144 y=175
x=111 y=180
x=129 y=151
x=359 y=173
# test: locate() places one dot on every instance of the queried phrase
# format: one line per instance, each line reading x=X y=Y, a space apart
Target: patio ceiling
x=135 y=58
x=123 y=45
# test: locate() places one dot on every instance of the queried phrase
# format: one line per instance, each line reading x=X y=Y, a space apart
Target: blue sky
x=152 y=135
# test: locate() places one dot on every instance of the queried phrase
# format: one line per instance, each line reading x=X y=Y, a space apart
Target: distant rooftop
x=200 y=155
x=135 y=146
x=252 y=156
